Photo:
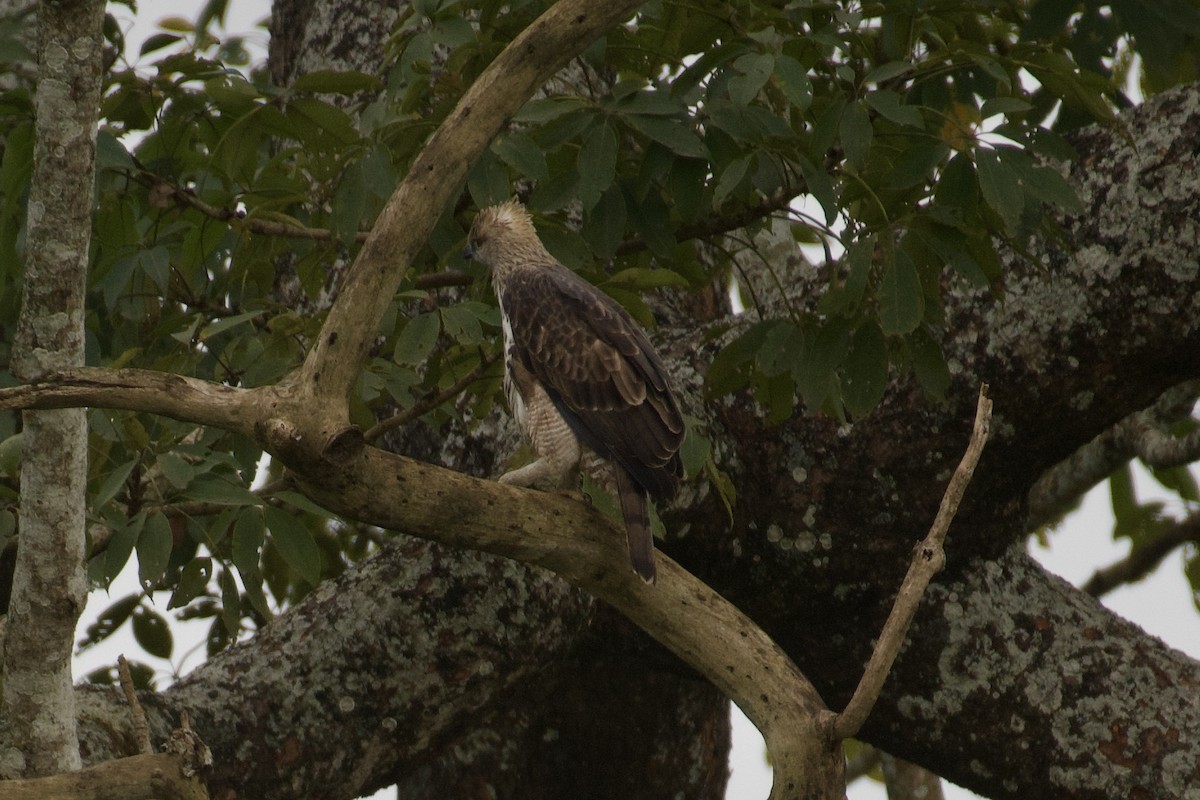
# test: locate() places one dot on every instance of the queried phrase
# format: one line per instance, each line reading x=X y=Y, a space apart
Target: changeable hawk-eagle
x=579 y=373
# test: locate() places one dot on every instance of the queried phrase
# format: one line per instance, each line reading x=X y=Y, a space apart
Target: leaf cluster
x=902 y=139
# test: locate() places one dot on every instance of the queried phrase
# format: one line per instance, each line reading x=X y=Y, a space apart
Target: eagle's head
x=503 y=237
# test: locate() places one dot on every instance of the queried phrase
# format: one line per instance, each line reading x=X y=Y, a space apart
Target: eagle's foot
x=541 y=474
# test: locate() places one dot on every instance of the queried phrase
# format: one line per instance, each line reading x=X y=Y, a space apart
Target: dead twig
x=928 y=559
x=431 y=401
x=141 y=730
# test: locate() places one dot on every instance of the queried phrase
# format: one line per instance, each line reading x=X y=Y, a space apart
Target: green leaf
x=731 y=176
x=231 y=603
x=820 y=186
x=1122 y=496
x=696 y=448
x=152 y=633
x=781 y=349
x=109 y=620
x=604 y=225
x=227 y=323
x=891 y=106
x=731 y=366
x=1003 y=105
x=901 y=301
x=154 y=546
x=1000 y=187
x=176 y=470
x=793 y=80
x=866 y=370
x=327 y=81
x=597 y=165
x=295 y=543
x=222 y=491
x=885 y=72
x=523 y=155
x=193 y=580
x=928 y=363
x=856 y=133
x=1044 y=183
x=299 y=501
x=755 y=69
x=676 y=136
x=461 y=325
x=1179 y=480
x=916 y=163
x=120 y=546
x=815 y=372
x=417 y=339
x=249 y=534
x=488 y=181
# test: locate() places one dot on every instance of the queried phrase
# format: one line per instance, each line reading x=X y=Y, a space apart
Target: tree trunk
x=49 y=589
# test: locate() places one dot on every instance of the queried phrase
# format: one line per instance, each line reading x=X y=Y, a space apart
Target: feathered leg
x=635 y=508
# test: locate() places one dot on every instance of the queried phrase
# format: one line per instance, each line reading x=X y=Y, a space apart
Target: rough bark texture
x=38 y=736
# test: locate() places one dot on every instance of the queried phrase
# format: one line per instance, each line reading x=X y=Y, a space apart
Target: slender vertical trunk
x=49 y=591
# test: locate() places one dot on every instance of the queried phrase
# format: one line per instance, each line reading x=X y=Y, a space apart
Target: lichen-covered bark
x=1074 y=701
x=361 y=681
x=38 y=735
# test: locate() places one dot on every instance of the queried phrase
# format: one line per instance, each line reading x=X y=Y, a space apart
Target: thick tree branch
x=175 y=396
x=578 y=544
x=160 y=776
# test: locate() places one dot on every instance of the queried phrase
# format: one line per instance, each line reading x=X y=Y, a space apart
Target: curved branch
x=579 y=544
x=1138 y=434
x=433 y=181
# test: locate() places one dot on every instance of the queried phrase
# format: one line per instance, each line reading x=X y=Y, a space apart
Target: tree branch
x=579 y=544
x=1138 y=434
x=175 y=396
x=432 y=182
x=1144 y=558
x=928 y=559
x=162 y=776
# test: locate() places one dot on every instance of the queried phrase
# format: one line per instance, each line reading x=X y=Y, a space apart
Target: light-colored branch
x=175 y=396
x=579 y=544
x=433 y=180
x=928 y=559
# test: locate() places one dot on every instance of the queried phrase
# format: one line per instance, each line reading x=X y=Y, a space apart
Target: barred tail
x=635 y=509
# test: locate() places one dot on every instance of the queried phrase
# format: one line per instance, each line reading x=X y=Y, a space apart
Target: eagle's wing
x=600 y=371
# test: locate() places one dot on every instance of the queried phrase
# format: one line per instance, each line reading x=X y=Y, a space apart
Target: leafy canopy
x=903 y=138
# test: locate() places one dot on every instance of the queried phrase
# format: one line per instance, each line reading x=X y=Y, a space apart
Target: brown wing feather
x=600 y=370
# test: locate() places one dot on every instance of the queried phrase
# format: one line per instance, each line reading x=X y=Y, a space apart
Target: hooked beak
x=468 y=252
